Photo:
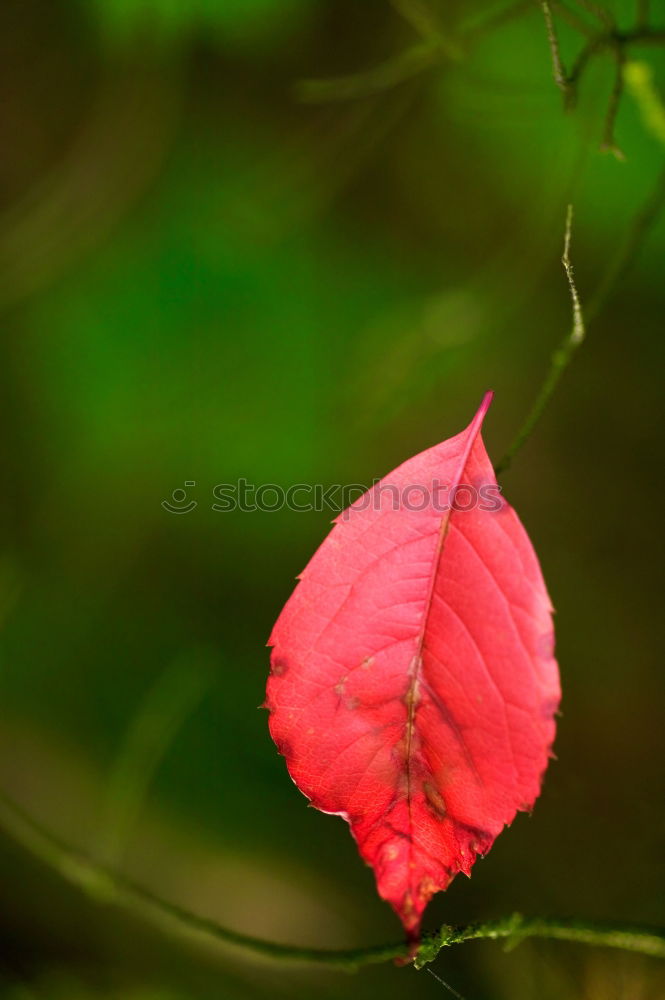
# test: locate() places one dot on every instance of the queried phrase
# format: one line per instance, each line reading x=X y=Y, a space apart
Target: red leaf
x=413 y=685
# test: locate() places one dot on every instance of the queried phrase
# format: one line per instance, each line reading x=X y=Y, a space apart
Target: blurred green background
x=204 y=276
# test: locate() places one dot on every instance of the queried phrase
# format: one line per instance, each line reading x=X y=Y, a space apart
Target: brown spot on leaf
x=279 y=666
x=434 y=800
x=407 y=905
x=427 y=888
x=340 y=687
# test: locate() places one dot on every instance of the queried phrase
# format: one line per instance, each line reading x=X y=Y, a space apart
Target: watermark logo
x=179 y=504
x=340 y=500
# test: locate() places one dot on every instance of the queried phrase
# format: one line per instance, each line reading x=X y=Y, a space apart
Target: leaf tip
x=486 y=401
x=485 y=404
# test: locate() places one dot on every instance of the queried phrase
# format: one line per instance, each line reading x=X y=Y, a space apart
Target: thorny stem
x=577 y=332
x=105 y=887
x=575 y=336
x=516 y=928
x=560 y=77
x=609 y=38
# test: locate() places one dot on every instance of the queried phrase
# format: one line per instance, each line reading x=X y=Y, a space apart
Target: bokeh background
x=211 y=271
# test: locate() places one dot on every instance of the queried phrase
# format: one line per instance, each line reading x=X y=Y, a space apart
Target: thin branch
x=578 y=331
x=573 y=20
x=562 y=357
x=609 y=38
x=593 y=46
x=103 y=886
x=418 y=15
x=436 y=46
x=398 y=69
x=106 y=887
x=560 y=77
x=641 y=36
x=609 y=144
x=598 y=11
x=445 y=985
x=476 y=26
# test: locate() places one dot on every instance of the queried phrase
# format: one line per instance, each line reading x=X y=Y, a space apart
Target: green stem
x=562 y=357
x=645 y=941
x=106 y=887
